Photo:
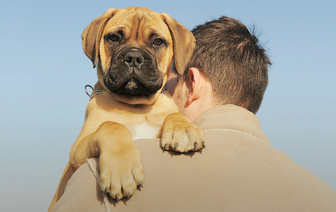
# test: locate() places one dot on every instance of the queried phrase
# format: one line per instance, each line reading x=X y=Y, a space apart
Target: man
x=220 y=91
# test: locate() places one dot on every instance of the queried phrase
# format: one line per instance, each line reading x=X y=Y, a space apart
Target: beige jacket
x=238 y=171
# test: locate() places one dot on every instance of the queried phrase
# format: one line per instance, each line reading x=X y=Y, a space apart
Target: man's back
x=238 y=171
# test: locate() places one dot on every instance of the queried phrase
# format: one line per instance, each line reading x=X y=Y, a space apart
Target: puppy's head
x=133 y=48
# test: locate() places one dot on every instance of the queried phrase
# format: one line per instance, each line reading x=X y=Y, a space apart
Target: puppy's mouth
x=133 y=74
x=134 y=88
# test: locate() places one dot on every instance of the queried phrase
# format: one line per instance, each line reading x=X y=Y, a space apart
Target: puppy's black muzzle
x=134 y=71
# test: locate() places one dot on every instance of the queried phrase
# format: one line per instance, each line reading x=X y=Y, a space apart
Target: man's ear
x=194 y=85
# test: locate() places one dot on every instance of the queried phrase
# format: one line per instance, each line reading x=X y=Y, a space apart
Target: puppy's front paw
x=121 y=173
x=179 y=134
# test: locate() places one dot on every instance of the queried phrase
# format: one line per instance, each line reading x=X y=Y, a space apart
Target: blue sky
x=44 y=71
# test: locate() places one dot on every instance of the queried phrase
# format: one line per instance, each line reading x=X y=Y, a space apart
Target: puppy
x=132 y=49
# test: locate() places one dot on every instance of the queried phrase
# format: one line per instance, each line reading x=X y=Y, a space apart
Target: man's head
x=228 y=56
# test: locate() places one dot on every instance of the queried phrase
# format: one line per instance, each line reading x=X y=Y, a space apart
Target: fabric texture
x=238 y=170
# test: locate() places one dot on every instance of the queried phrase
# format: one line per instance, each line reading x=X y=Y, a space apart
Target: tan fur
x=111 y=120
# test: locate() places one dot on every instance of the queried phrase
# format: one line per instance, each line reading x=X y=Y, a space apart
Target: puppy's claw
x=128 y=195
x=165 y=147
x=203 y=144
x=116 y=198
x=176 y=145
x=105 y=191
x=140 y=184
x=195 y=146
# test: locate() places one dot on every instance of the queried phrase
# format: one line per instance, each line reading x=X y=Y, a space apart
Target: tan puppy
x=133 y=49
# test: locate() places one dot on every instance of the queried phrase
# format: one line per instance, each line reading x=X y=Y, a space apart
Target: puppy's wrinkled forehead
x=138 y=24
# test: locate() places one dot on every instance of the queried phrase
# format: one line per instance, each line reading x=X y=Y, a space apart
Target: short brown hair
x=229 y=56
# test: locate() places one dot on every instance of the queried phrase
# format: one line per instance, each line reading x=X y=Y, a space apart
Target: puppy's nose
x=134 y=59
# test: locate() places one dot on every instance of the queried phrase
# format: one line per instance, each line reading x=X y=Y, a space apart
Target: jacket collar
x=231 y=117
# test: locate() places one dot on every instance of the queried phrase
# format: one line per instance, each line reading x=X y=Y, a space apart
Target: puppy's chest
x=140 y=125
x=142 y=122
x=143 y=130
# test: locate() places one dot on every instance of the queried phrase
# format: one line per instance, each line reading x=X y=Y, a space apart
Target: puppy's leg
x=61 y=186
x=179 y=134
x=119 y=160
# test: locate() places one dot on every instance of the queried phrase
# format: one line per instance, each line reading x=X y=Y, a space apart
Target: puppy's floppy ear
x=92 y=34
x=183 y=41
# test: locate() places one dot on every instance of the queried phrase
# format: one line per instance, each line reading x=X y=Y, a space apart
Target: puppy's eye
x=158 y=42
x=113 y=38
